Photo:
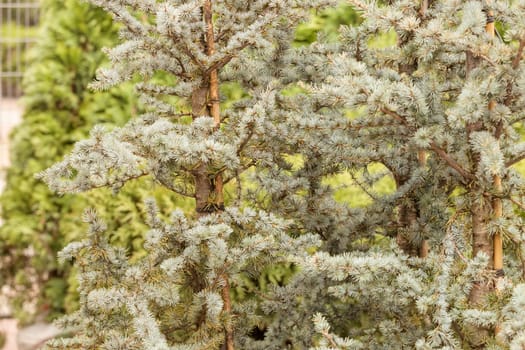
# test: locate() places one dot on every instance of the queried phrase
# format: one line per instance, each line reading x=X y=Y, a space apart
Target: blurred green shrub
x=60 y=110
x=326 y=23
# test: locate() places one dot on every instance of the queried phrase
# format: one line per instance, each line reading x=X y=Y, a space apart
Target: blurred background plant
x=60 y=110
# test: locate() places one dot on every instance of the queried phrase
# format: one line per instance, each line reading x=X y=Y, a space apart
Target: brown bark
x=471 y=62
x=497 y=205
x=227 y=308
x=203 y=186
x=424 y=247
x=424 y=7
x=408 y=215
x=407 y=218
x=481 y=214
x=209 y=186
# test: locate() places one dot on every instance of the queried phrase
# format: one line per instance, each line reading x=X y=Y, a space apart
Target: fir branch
x=509 y=92
x=363 y=187
x=450 y=161
x=519 y=204
x=330 y=339
x=433 y=145
x=396 y=116
x=516 y=61
x=247 y=139
x=226 y=59
x=186 y=50
x=240 y=171
x=172 y=188
x=511 y=162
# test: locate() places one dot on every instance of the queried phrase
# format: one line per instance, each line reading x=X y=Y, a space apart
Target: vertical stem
x=424 y=247
x=497 y=205
x=227 y=308
x=480 y=212
x=214 y=105
x=203 y=186
x=421 y=154
x=481 y=215
x=424 y=7
x=407 y=219
x=214 y=99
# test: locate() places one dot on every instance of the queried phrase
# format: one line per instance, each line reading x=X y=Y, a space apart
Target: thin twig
x=433 y=145
x=519 y=55
x=514 y=161
x=521 y=205
x=363 y=187
x=330 y=339
x=450 y=161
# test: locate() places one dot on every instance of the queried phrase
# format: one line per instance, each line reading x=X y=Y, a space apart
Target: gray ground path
x=30 y=338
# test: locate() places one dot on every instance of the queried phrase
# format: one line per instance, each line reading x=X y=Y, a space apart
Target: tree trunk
x=209 y=185
x=481 y=211
x=481 y=242
x=407 y=219
x=204 y=191
x=408 y=213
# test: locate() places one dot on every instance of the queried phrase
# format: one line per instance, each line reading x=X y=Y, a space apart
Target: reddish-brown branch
x=394 y=115
x=519 y=55
x=227 y=309
x=424 y=7
x=226 y=59
x=213 y=94
x=214 y=106
x=514 y=161
x=438 y=150
x=450 y=161
x=519 y=204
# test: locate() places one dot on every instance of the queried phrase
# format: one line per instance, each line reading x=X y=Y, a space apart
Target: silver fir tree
x=439 y=109
x=179 y=295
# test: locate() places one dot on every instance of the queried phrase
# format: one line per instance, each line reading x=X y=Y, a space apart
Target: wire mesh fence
x=18 y=23
x=18 y=28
